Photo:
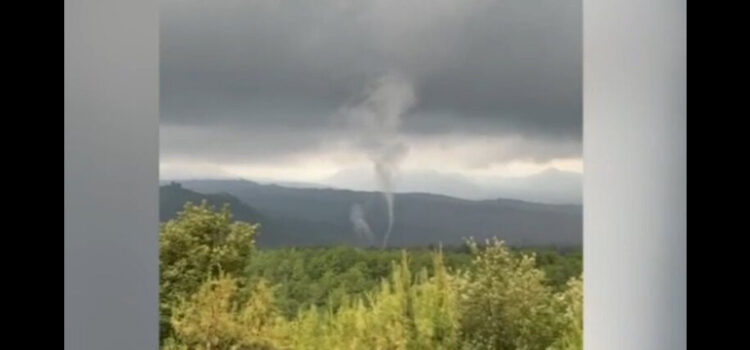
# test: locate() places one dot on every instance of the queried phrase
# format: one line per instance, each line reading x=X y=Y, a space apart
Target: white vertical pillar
x=111 y=174
x=635 y=174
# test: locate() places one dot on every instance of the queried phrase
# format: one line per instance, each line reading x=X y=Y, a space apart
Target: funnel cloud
x=376 y=121
x=359 y=224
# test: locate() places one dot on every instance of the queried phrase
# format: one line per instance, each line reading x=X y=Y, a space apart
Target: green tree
x=507 y=304
x=217 y=317
x=572 y=336
x=405 y=312
x=196 y=246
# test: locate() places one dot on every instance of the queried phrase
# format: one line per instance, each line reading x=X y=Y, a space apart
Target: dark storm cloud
x=240 y=143
x=283 y=68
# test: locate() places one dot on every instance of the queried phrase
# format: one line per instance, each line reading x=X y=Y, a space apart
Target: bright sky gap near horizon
x=260 y=90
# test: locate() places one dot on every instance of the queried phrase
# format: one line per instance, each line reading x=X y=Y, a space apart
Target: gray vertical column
x=635 y=174
x=111 y=174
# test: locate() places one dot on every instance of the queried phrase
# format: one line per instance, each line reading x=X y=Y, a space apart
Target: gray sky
x=266 y=89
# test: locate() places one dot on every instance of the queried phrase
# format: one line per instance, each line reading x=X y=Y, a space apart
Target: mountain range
x=550 y=186
x=299 y=216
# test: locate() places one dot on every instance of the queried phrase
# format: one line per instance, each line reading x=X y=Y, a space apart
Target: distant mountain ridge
x=320 y=216
x=172 y=199
x=550 y=186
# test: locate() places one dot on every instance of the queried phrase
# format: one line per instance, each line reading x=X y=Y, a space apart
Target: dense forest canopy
x=218 y=291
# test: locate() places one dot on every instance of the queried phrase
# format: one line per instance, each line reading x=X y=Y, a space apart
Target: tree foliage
x=199 y=244
x=219 y=296
x=217 y=317
x=507 y=305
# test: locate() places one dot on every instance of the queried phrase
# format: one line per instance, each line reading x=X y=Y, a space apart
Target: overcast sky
x=488 y=92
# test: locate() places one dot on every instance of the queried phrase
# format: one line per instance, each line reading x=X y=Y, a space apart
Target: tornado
x=360 y=225
x=377 y=120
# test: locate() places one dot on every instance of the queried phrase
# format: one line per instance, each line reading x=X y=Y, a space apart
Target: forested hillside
x=317 y=216
x=172 y=199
